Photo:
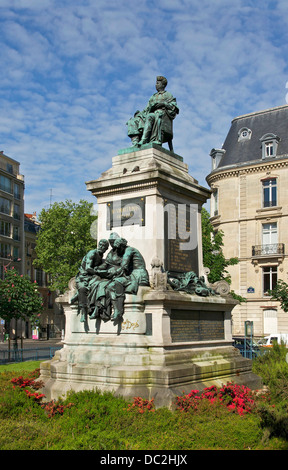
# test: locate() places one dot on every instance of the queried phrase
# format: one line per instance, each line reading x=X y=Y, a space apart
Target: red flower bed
x=142 y=405
x=52 y=408
x=236 y=398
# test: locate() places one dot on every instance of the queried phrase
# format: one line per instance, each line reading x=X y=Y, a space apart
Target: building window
x=9 y=168
x=244 y=134
x=269 y=149
x=270 y=323
x=216 y=155
x=5 y=206
x=5 y=250
x=16 y=191
x=269 y=238
x=269 y=145
x=5 y=228
x=214 y=202
x=269 y=192
x=16 y=212
x=16 y=233
x=39 y=277
x=269 y=278
x=15 y=252
x=5 y=184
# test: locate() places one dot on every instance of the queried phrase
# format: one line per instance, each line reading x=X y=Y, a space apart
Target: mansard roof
x=271 y=123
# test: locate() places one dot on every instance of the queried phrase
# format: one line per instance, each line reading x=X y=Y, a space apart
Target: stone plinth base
x=168 y=343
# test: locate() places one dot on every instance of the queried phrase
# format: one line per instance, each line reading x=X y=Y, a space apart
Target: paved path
x=33 y=343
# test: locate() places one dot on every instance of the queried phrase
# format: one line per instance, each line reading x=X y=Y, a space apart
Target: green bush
x=273 y=368
x=100 y=421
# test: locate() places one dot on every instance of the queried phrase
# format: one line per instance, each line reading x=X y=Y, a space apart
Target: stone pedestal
x=149 y=198
x=168 y=341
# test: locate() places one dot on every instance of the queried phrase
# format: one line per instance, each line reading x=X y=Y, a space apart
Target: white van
x=280 y=338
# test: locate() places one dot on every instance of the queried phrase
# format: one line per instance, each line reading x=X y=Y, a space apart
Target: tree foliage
x=65 y=237
x=213 y=257
x=280 y=293
x=19 y=298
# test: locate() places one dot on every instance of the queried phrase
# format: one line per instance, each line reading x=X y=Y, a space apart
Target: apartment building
x=11 y=214
x=249 y=181
x=52 y=318
x=18 y=232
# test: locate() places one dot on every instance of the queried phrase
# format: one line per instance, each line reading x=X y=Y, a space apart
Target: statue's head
x=161 y=83
x=112 y=237
x=120 y=244
x=103 y=245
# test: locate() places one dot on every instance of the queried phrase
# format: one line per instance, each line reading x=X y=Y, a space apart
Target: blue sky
x=74 y=71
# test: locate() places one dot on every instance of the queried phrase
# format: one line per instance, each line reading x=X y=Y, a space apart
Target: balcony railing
x=268 y=250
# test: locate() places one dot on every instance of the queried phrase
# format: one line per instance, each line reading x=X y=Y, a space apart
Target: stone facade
x=17 y=242
x=52 y=318
x=11 y=215
x=249 y=183
x=159 y=206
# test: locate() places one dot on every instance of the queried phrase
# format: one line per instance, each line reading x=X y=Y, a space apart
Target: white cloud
x=75 y=71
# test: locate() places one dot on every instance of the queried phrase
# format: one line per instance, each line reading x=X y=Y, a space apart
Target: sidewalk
x=33 y=343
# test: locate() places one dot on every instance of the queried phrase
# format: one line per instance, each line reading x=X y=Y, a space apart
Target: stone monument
x=141 y=318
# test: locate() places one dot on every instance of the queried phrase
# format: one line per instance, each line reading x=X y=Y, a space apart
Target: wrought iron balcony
x=268 y=250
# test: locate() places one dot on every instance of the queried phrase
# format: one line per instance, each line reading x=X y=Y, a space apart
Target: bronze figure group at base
x=189 y=282
x=102 y=283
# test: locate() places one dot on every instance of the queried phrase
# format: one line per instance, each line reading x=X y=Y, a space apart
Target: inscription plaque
x=126 y=212
x=180 y=228
x=189 y=325
x=148 y=324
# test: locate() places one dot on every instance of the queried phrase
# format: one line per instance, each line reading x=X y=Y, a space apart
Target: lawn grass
x=20 y=366
x=100 y=421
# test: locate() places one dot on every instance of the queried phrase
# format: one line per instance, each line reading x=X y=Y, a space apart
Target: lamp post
x=248 y=334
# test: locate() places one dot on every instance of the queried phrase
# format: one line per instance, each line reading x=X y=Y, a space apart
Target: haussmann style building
x=249 y=203
x=11 y=215
x=18 y=232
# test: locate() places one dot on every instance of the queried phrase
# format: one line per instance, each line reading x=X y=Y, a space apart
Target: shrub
x=275 y=420
x=53 y=407
x=29 y=381
x=236 y=398
x=142 y=405
x=273 y=369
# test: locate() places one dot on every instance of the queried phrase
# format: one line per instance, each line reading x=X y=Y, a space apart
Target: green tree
x=64 y=238
x=213 y=257
x=19 y=298
x=280 y=293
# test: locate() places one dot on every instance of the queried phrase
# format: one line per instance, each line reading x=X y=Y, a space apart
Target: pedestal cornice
x=147 y=168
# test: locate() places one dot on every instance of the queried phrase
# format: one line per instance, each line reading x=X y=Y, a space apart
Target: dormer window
x=269 y=149
x=216 y=155
x=269 y=145
x=244 y=134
